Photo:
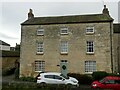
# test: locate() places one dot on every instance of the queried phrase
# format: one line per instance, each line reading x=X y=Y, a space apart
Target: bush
x=33 y=86
x=29 y=79
x=99 y=75
x=112 y=74
x=82 y=78
x=8 y=72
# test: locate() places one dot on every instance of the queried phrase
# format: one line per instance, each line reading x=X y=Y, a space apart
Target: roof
x=4 y=43
x=68 y=19
x=116 y=28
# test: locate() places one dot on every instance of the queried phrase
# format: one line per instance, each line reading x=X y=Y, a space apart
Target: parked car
x=56 y=78
x=109 y=82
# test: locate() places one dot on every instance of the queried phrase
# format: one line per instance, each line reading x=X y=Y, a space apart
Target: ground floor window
x=39 y=65
x=90 y=66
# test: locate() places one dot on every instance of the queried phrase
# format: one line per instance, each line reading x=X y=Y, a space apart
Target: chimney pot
x=30 y=14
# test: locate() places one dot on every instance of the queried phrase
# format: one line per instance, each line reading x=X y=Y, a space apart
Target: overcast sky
x=14 y=13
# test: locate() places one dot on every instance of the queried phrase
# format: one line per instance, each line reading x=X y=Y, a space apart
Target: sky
x=14 y=12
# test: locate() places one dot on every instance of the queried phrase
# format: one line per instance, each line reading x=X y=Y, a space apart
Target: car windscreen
x=66 y=77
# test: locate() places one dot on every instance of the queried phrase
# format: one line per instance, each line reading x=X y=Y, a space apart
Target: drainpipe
x=118 y=48
x=111 y=46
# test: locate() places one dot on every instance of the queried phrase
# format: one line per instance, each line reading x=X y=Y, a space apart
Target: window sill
x=64 y=53
x=89 y=33
x=88 y=72
x=90 y=53
x=40 y=34
x=38 y=71
x=39 y=53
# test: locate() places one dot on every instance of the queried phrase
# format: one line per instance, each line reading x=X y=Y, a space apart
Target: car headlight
x=94 y=85
x=74 y=81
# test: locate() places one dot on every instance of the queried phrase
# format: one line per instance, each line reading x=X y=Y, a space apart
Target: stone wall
x=9 y=62
x=117 y=52
x=76 y=56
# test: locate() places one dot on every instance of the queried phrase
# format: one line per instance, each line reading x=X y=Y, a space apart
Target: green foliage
x=112 y=74
x=8 y=72
x=33 y=86
x=82 y=78
x=99 y=75
x=29 y=79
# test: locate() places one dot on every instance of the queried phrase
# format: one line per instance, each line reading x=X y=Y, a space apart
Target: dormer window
x=40 y=31
x=64 y=30
x=89 y=30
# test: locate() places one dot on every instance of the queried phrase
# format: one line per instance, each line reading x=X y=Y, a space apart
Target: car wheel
x=69 y=85
x=43 y=84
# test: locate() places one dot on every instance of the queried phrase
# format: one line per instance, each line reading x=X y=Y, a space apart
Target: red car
x=109 y=82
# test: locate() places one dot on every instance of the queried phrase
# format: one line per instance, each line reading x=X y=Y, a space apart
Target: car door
x=117 y=84
x=49 y=79
x=109 y=84
x=59 y=79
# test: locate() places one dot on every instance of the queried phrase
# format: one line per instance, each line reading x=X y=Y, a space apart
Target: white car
x=56 y=78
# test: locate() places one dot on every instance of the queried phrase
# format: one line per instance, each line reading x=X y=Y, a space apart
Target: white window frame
x=90 y=30
x=63 y=30
x=64 y=47
x=40 y=32
x=90 y=66
x=39 y=65
x=90 y=47
x=40 y=47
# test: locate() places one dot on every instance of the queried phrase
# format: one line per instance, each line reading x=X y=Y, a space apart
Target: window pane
x=40 y=47
x=64 y=46
x=49 y=76
x=64 y=30
x=39 y=65
x=90 y=46
x=90 y=66
x=90 y=30
x=40 y=31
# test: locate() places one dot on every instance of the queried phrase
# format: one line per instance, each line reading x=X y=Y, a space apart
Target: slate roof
x=116 y=28
x=68 y=19
x=4 y=43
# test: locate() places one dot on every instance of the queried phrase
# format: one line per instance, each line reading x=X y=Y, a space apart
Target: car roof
x=51 y=73
x=113 y=77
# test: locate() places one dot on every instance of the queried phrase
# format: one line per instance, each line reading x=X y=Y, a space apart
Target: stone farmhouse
x=75 y=43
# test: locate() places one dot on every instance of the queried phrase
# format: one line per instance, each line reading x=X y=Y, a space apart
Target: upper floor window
x=40 y=31
x=64 y=30
x=90 y=66
x=64 y=47
x=90 y=47
x=89 y=30
x=39 y=66
x=40 y=48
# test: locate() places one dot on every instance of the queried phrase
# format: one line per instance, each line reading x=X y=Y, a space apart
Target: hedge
x=99 y=75
x=82 y=78
x=33 y=86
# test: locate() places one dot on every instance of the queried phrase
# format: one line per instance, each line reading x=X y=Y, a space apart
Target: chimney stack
x=30 y=14
x=105 y=10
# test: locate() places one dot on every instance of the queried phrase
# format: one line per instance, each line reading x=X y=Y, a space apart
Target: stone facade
x=76 y=56
x=116 y=48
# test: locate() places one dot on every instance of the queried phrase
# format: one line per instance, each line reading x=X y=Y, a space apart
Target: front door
x=63 y=67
